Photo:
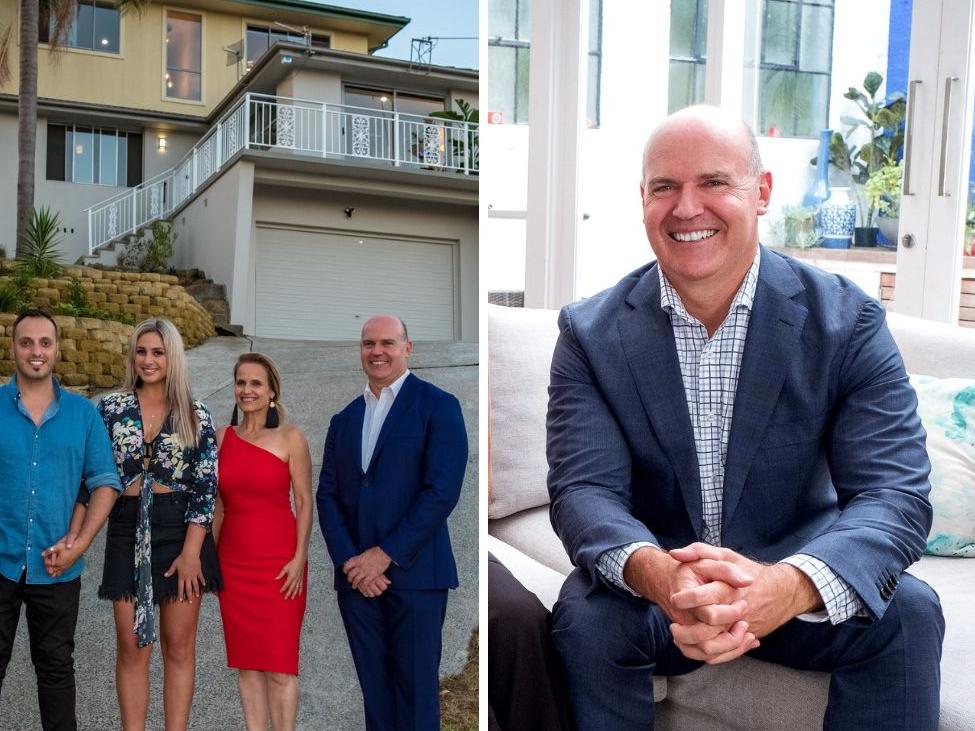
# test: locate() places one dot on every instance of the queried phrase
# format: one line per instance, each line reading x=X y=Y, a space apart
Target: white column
x=724 y=76
x=556 y=111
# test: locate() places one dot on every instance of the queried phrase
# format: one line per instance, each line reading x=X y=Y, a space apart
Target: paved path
x=318 y=379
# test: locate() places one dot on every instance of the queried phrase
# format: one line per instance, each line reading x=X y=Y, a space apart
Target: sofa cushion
x=530 y=531
x=947 y=410
x=522 y=342
x=934 y=348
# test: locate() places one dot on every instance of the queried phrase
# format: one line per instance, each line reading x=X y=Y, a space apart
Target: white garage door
x=325 y=285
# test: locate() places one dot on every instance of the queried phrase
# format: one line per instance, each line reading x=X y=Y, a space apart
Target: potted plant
x=796 y=227
x=883 y=192
x=871 y=141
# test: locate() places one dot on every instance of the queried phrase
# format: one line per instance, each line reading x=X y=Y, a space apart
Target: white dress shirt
x=377 y=409
x=710 y=367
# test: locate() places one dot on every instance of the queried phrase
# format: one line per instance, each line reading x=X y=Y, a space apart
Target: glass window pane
x=378 y=99
x=82 y=33
x=183 y=38
x=812 y=93
x=779 y=33
x=686 y=85
x=701 y=39
x=106 y=29
x=107 y=160
x=69 y=153
x=595 y=21
x=419 y=105
x=501 y=18
x=817 y=39
x=501 y=85
x=121 y=169
x=524 y=20
x=683 y=18
x=83 y=155
x=521 y=91
x=257 y=44
x=775 y=111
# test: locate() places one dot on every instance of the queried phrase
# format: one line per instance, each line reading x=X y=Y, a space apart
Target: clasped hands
x=720 y=602
x=367 y=572
x=62 y=555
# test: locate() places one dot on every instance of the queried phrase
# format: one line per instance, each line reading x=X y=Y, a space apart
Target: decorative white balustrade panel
x=294 y=126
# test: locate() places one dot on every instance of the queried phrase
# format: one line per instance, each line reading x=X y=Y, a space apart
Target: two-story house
x=299 y=170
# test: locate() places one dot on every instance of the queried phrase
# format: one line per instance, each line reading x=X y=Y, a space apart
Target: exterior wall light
x=162 y=143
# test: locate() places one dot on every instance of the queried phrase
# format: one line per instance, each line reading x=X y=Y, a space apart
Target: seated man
x=736 y=462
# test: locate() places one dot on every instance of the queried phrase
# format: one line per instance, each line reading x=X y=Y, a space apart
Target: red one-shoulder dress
x=261 y=628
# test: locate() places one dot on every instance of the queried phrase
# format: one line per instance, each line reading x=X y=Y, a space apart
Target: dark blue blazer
x=401 y=502
x=826 y=454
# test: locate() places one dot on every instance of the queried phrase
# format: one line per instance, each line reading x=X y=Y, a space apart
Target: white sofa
x=746 y=694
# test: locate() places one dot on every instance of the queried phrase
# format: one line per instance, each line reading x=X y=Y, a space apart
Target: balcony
x=307 y=129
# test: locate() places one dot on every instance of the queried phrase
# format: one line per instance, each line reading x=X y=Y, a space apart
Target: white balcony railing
x=301 y=127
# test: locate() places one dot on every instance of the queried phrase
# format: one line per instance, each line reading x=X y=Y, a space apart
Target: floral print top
x=192 y=470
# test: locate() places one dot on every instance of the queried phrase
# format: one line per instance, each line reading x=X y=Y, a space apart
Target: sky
x=429 y=18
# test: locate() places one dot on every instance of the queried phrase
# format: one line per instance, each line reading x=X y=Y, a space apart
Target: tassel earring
x=233 y=416
x=271 y=422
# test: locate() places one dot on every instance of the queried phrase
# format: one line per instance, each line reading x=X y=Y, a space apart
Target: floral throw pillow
x=947 y=410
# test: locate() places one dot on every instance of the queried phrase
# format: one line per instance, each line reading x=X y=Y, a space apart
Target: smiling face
x=150 y=359
x=251 y=389
x=384 y=350
x=35 y=348
x=701 y=200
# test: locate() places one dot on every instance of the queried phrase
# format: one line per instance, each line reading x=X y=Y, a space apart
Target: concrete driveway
x=318 y=379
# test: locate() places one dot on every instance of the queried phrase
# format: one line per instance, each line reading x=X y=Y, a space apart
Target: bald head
x=385 y=322
x=706 y=120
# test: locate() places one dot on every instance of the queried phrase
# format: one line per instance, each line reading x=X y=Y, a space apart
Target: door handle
x=909 y=138
x=943 y=164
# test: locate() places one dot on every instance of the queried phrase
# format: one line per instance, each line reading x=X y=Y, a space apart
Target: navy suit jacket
x=826 y=454
x=401 y=502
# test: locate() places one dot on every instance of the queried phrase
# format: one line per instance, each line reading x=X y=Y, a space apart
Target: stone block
x=103 y=381
x=74 y=379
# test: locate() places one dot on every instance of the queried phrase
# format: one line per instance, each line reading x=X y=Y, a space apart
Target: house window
x=688 y=53
x=94 y=155
x=184 y=36
x=95 y=27
x=261 y=38
x=388 y=100
x=797 y=42
x=509 y=54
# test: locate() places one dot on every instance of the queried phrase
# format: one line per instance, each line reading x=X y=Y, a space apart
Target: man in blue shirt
x=52 y=440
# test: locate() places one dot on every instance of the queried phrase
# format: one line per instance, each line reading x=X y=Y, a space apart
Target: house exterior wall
x=320 y=86
x=134 y=78
x=382 y=217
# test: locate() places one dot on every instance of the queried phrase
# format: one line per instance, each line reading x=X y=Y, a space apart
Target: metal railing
x=298 y=126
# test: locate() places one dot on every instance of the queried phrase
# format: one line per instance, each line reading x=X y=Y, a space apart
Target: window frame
x=167 y=10
x=698 y=43
x=248 y=25
x=61 y=139
x=44 y=30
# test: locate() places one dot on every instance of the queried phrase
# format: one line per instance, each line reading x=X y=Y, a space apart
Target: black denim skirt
x=168 y=521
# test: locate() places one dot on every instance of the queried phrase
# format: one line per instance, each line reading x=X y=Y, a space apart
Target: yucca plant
x=43 y=239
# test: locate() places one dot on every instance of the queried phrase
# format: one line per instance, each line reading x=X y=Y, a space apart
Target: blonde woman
x=264 y=462
x=159 y=552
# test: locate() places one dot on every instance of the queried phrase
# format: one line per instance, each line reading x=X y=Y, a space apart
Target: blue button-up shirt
x=41 y=468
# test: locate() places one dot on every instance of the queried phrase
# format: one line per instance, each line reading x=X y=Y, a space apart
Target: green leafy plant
x=882 y=129
x=468 y=146
x=43 y=239
x=150 y=252
x=75 y=303
x=17 y=293
x=883 y=190
x=797 y=227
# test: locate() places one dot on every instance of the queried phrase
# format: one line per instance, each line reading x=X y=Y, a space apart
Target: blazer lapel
x=407 y=394
x=773 y=334
x=354 y=433
x=647 y=340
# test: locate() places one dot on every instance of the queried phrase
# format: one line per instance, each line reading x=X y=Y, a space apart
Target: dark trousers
x=885 y=673
x=526 y=687
x=395 y=641
x=52 y=613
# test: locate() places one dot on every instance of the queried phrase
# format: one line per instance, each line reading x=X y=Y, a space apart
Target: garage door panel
x=324 y=285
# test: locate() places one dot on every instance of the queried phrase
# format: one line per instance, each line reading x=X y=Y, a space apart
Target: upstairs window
x=184 y=71
x=688 y=53
x=261 y=38
x=95 y=27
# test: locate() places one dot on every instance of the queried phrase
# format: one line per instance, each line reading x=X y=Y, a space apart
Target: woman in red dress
x=263 y=546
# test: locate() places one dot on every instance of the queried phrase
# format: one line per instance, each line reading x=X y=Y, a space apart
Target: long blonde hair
x=179 y=398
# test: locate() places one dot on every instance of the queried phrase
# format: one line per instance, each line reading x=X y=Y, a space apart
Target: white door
x=323 y=285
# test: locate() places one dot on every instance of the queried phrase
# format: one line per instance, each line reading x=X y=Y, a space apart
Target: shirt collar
x=394 y=388
x=12 y=390
x=671 y=302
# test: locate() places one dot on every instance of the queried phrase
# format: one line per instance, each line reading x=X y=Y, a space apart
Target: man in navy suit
x=393 y=468
x=736 y=462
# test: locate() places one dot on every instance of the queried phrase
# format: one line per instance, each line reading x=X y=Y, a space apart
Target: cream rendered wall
x=134 y=78
x=382 y=217
x=319 y=86
x=8 y=183
x=215 y=233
